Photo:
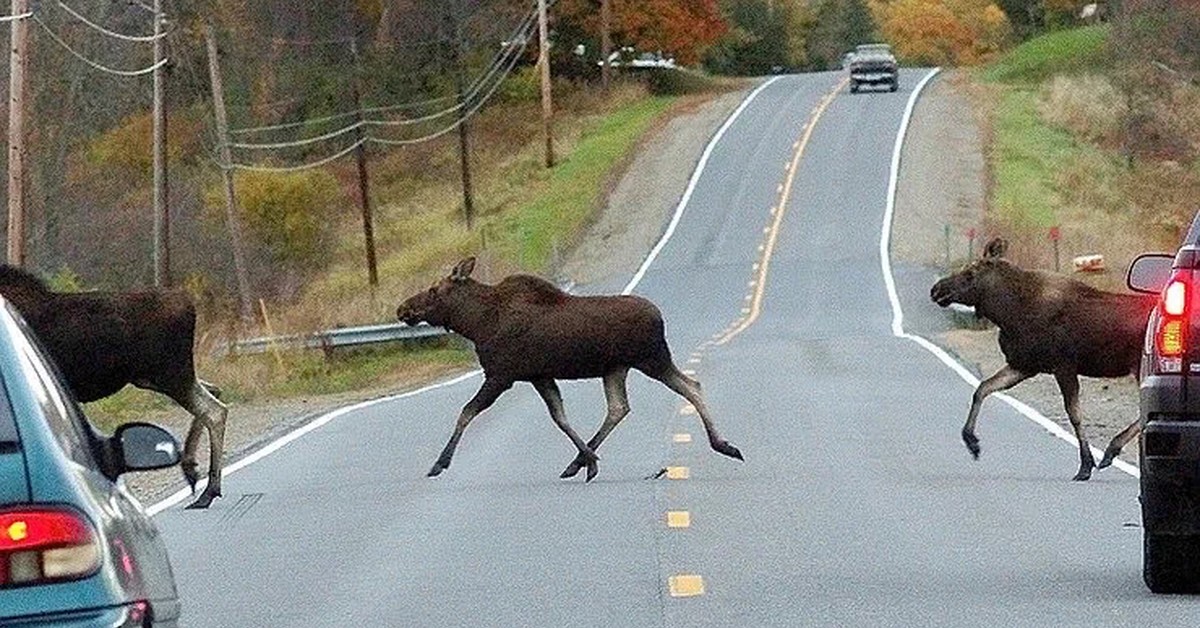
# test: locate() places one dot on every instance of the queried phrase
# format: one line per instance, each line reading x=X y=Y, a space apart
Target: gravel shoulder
x=638 y=207
x=943 y=182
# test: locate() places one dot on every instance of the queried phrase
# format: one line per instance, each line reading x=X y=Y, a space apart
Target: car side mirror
x=144 y=447
x=1149 y=272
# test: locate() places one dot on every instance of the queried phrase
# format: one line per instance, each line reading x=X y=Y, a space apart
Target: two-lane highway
x=856 y=505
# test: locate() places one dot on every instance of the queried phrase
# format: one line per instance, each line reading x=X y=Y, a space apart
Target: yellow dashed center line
x=685 y=585
x=682 y=437
x=687 y=410
x=679 y=519
x=678 y=473
x=767 y=248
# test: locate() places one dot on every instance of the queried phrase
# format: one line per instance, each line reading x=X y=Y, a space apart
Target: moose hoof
x=1107 y=460
x=437 y=469
x=571 y=470
x=723 y=447
x=972 y=443
x=1084 y=475
x=593 y=469
x=204 y=501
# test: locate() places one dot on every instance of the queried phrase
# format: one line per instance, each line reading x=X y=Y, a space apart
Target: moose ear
x=462 y=271
x=996 y=248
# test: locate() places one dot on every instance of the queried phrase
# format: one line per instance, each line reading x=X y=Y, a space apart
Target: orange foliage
x=942 y=32
x=683 y=28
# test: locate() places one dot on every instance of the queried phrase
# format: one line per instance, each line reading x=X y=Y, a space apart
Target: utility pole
x=544 y=63
x=17 y=62
x=464 y=145
x=162 y=220
x=360 y=155
x=605 y=42
x=231 y=217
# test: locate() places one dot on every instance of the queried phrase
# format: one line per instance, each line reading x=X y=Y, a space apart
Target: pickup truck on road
x=874 y=64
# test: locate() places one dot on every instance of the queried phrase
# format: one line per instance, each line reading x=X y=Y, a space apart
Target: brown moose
x=526 y=329
x=102 y=341
x=1053 y=324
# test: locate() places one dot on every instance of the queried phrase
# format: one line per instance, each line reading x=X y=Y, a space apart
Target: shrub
x=288 y=213
x=1088 y=106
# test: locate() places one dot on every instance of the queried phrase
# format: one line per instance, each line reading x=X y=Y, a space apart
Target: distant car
x=874 y=64
x=76 y=549
x=1169 y=409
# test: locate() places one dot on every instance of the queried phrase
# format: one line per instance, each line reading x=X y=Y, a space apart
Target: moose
x=526 y=329
x=1052 y=324
x=102 y=341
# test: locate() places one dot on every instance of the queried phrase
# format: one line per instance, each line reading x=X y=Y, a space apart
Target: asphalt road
x=857 y=503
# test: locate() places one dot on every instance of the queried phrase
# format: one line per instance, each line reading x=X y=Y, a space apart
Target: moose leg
x=1068 y=383
x=553 y=398
x=690 y=389
x=618 y=408
x=212 y=414
x=1118 y=443
x=1004 y=379
x=188 y=462
x=482 y=400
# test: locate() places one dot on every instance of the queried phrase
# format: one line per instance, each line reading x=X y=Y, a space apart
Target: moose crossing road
x=857 y=503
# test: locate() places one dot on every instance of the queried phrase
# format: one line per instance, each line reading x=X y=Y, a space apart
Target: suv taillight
x=41 y=545
x=1170 y=333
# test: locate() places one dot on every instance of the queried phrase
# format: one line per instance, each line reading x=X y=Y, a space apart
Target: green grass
x=1025 y=155
x=1062 y=52
x=552 y=220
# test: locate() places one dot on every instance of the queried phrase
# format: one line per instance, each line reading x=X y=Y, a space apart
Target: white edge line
x=691 y=186
x=274 y=446
x=898 y=314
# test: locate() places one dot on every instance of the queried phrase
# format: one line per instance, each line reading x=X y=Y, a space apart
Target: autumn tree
x=943 y=32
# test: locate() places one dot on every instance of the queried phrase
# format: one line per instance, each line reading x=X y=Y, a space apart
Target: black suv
x=1169 y=409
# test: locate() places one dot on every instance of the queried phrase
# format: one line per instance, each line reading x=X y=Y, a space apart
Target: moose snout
x=940 y=294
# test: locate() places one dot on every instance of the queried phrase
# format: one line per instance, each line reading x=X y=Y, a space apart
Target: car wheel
x=1171 y=562
x=895 y=85
x=853 y=87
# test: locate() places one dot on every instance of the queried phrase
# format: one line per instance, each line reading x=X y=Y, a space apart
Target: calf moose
x=1053 y=324
x=102 y=341
x=526 y=329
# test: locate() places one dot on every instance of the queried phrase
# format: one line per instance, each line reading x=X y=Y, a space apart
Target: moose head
x=967 y=285
x=434 y=306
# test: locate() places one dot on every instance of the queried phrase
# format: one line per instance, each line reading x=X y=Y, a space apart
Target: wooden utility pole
x=544 y=64
x=162 y=220
x=464 y=144
x=364 y=185
x=231 y=217
x=17 y=61
x=605 y=42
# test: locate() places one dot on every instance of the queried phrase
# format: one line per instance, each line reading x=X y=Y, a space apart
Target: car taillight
x=1170 y=335
x=40 y=545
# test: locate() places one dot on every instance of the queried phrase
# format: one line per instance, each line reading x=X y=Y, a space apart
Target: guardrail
x=335 y=338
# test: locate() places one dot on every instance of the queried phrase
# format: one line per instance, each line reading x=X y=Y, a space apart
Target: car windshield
x=874 y=49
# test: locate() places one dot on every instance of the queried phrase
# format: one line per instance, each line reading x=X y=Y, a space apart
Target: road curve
x=857 y=503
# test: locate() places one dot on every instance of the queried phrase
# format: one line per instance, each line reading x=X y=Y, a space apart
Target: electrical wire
x=99 y=66
x=521 y=32
x=300 y=142
x=462 y=119
x=13 y=18
x=315 y=164
x=111 y=33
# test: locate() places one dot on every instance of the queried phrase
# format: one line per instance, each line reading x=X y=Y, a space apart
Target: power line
x=111 y=33
x=520 y=33
x=95 y=64
x=462 y=119
x=315 y=164
x=10 y=18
